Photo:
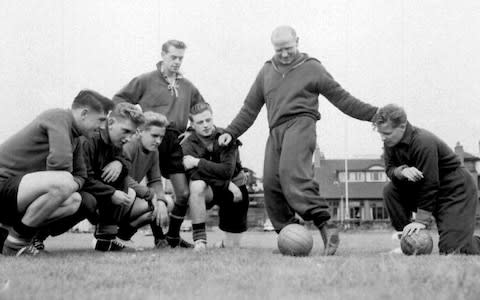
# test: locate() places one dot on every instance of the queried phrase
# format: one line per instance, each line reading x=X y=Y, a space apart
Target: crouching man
x=216 y=177
x=428 y=178
x=107 y=170
x=42 y=170
x=150 y=206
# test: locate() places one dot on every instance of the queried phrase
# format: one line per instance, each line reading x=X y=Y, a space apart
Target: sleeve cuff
x=398 y=171
x=424 y=217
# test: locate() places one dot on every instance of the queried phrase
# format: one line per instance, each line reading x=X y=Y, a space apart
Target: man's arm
x=251 y=107
x=79 y=168
x=334 y=92
x=392 y=167
x=60 y=156
x=131 y=93
x=425 y=157
x=92 y=185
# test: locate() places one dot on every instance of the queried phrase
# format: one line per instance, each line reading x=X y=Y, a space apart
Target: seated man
x=216 y=177
x=428 y=178
x=41 y=169
x=150 y=206
x=107 y=170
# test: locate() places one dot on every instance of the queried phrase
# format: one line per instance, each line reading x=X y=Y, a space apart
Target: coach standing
x=289 y=85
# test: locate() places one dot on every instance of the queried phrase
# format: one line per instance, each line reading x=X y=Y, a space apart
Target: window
x=354 y=176
x=379 y=213
x=376 y=176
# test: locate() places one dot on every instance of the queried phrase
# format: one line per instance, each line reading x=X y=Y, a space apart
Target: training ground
x=363 y=269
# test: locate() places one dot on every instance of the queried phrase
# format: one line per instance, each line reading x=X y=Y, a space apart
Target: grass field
x=363 y=269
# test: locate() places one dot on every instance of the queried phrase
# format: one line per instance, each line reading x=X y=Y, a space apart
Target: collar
x=160 y=69
x=303 y=57
x=408 y=134
x=105 y=135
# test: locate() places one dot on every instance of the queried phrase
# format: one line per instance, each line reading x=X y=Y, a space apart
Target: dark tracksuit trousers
x=454 y=212
x=289 y=183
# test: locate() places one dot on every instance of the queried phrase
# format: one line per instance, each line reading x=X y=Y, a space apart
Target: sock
x=157 y=231
x=126 y=232
x=176 y=218
x=19 y=236
x=199 y=232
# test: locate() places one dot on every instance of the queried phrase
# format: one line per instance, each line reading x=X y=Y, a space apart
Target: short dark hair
x=198 y=109
x=92 y=100
x=154 y=119
x=128 y=111
x=390 y=112
x=175 y=43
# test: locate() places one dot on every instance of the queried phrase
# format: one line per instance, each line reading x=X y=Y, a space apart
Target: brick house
x=366 y=179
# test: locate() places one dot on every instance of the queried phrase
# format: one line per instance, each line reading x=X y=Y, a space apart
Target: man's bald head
x=285 y=42
x=283 y=33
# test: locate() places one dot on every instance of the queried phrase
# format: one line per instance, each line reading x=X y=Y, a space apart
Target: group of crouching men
x=88 y=162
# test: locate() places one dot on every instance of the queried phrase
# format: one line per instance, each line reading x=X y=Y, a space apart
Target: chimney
x=317 y=157
x=459 y=151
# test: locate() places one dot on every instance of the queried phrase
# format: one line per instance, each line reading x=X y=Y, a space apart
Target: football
x=295 y=240
x=418 y=243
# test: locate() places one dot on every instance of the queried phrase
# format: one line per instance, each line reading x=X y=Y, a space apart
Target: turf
x=363 y=269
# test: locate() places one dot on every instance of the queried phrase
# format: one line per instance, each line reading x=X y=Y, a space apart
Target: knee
x=89 y=203
x=73 y=204
x=197 y=188
x=388 y=192
x=64 y=186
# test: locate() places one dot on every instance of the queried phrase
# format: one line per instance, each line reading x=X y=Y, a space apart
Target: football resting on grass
x=295 y=240
x=418 y=243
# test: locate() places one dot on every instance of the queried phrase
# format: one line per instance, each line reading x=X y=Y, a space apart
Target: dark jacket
x=153 y=93
x=48 y=143
x=99 y=152
x=216 y=167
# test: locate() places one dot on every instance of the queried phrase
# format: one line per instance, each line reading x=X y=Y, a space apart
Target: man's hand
x=237 y=194
x=112 y=171
x=224 y=139
x=412 y=174
x=184 y=136
x=190 y=162
x=121 y=198
x=160 y=212
x=412 y=228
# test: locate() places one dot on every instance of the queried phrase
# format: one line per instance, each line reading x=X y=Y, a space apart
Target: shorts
x=170 y=153
x=232 y=215
x=9 y=213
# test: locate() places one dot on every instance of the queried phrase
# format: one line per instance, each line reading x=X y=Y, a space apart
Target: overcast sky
x=422 y=55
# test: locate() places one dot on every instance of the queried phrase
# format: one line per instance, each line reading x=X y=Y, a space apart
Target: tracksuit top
x=98 y=152
x=295 y=93
x=154 y=93
x=144 y=163
x=218 y=166
x=49 y=143
x=423 y=150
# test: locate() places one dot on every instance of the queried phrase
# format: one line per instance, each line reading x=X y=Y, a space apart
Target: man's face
x=391 y=136
x=172 y=60
x=91 y=121
x=286 y=48
x=152 y=137
x=120 y=130
x=202 y=123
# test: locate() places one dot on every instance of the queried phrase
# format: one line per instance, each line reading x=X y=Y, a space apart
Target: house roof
x=470 y=157
x=330 y=187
